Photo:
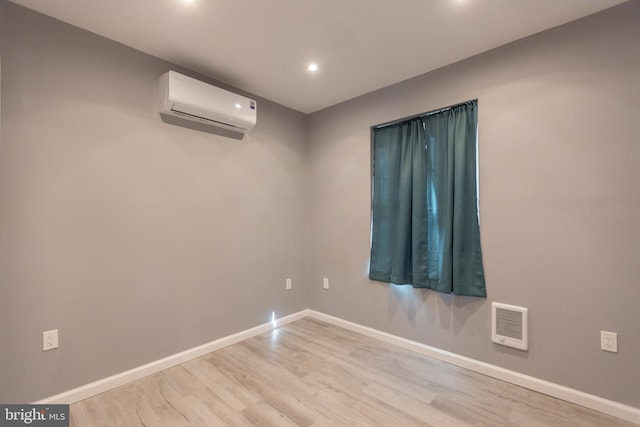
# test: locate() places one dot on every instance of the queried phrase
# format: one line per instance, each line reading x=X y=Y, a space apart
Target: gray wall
x=559 y=195
x=138 y=239
x=135 y=238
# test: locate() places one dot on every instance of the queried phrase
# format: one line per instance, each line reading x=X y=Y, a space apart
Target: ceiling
x=265 y=46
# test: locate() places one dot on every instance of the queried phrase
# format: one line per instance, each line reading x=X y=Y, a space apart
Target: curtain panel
x=425 y=228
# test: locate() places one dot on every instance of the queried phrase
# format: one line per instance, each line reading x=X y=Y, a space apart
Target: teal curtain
x=425 y=229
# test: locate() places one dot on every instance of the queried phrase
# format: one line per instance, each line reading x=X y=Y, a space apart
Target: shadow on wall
x=404 y=297
x=446 y=311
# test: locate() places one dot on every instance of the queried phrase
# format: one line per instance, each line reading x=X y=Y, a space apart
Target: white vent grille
x=509 y=325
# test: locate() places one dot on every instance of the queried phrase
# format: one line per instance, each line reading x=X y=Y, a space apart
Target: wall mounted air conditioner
x=190 y=99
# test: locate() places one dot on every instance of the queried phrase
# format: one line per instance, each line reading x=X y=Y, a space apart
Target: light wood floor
x=310 y=373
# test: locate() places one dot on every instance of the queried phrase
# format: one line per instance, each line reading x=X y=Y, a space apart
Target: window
x=425 y=230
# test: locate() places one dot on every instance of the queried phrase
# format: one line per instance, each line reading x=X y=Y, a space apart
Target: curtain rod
x=428 y=113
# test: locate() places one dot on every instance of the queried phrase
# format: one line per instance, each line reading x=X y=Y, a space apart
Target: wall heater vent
x=509 y=325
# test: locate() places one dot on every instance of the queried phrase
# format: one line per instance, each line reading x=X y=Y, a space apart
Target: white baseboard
x=619 y=410
x=100 y=386
x=625 y=412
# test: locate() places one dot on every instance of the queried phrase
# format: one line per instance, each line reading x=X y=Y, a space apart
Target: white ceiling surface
x=264 y=46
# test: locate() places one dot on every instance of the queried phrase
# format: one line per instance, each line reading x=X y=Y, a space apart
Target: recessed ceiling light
x=238 y=106
x=312 y=67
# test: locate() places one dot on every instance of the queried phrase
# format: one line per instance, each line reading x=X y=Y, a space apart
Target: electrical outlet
x=288 y=284
x=609 y=341
x=50 y=340
x=325 y=283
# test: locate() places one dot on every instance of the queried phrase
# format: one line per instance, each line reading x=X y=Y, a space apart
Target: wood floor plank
x=310 y=373
x=229 y=389
x=352 y=403
x=398 y=400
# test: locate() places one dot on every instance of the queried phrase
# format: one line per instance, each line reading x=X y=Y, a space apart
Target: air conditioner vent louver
x=204 y=119
x=509 y=325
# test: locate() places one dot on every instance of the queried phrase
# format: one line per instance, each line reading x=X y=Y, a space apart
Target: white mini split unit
x=190 y=99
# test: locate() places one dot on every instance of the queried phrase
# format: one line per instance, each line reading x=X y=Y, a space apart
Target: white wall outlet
x=325 y=283
x=49 y=340
x=609 y=341
x=288 y=284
